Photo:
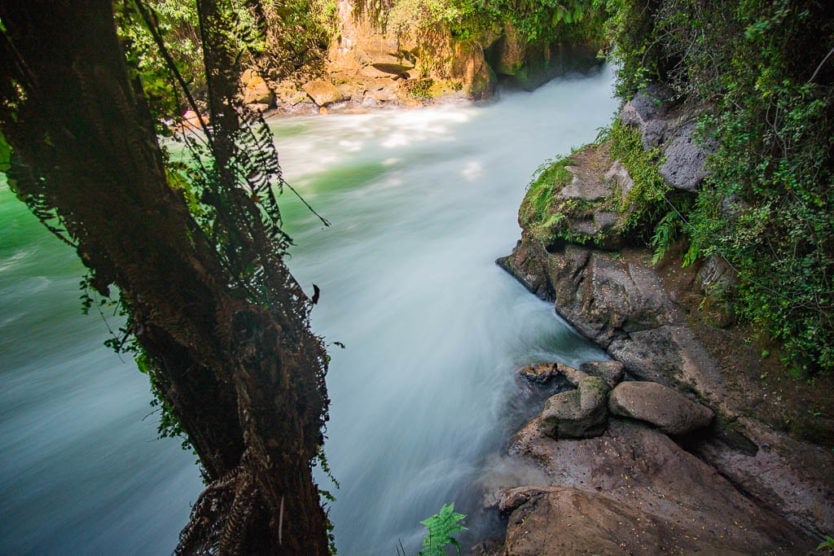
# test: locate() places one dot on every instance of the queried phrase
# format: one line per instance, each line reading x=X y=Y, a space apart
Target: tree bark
x=244 y=380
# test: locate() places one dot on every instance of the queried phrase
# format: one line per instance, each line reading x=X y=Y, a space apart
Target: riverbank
x=765 y=459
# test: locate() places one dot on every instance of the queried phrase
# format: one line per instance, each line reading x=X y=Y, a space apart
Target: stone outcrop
x=590 y=206
x=662 y=324
x=672 y=129
x=659 y=405
x=374 y=64
x=530 y=65
x=632 y=490
x=611 y=372
x=622 y=304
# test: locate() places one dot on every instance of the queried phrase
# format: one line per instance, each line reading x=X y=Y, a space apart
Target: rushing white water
x=421 y=203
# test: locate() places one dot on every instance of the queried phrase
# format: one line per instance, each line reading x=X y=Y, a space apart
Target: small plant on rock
x=441 y=526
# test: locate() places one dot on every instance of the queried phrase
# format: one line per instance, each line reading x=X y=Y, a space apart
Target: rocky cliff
x=372 y=63
x=759 y=477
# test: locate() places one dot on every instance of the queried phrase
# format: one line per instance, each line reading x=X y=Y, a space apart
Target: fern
x=441 y=526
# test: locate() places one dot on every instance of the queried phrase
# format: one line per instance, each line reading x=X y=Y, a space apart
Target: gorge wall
x=379 y=57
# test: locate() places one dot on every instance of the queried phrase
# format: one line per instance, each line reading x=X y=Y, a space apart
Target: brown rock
x=633 y=490
x=540 y=373
x=610 y=371
x=659 y=405
x=255 y=89
x=322 y=92
x=572 y=521
x=579 y=413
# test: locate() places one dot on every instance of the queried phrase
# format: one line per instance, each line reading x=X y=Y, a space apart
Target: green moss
x=766 y=206
x=647 y=199
x=541 y=210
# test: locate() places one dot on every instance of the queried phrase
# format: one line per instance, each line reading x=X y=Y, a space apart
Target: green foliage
x=441 y=526
x=665 y=233
x=280 y=40
x=550 y=20
x=826 y=546
x=5 y=155
x=647 y=199
x=540 y=212
x=177 y=22
x=534 y=20
x=420 y=89
x=761 y=68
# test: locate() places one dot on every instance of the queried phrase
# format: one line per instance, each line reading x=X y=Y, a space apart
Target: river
x=421 y=204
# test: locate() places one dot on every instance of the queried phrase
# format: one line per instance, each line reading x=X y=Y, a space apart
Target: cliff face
x=372 y=62
x=661 y=322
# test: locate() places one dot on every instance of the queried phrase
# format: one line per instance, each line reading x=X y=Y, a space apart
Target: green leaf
x=5 y=154
x=441 y=526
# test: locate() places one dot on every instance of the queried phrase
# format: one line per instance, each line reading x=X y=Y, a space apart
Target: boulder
x=671 y=128
x=618 y=174
x=611 y=372
x=287 y=94
x=322 y=92
x=540 y=373
x=659 y=405
x=382 y=90
x=579 y=413
x=573 y=521
x=604 y=297
x=646 y=111
x=255 y=89
x=685 y=159
x=470 y=67
x=585 y=185
x=574 y=376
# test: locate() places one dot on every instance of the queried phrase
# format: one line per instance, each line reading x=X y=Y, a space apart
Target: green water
x=423 y=396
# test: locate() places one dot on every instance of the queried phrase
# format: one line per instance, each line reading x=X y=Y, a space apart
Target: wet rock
x=659 y=405
x=288 y=95
x=322 y=92
x=632 y=490
x=477 y=78
x=540 y=373
x=611 y=372
x=510 y=499
x=580 y=413
x=382 y=90
x=645 y=317
x=574 y=376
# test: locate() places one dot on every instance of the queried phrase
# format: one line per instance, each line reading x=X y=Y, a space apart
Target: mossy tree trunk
x=245 y=379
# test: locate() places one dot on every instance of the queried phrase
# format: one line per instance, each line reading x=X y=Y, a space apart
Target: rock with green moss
x=582 y=199
x=611 y=372
x=579 y=413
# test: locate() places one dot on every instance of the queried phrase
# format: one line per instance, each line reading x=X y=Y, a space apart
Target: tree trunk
x=244 y=380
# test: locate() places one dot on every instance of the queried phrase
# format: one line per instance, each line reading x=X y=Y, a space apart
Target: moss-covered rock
x=580 y=413
x=582 y=199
